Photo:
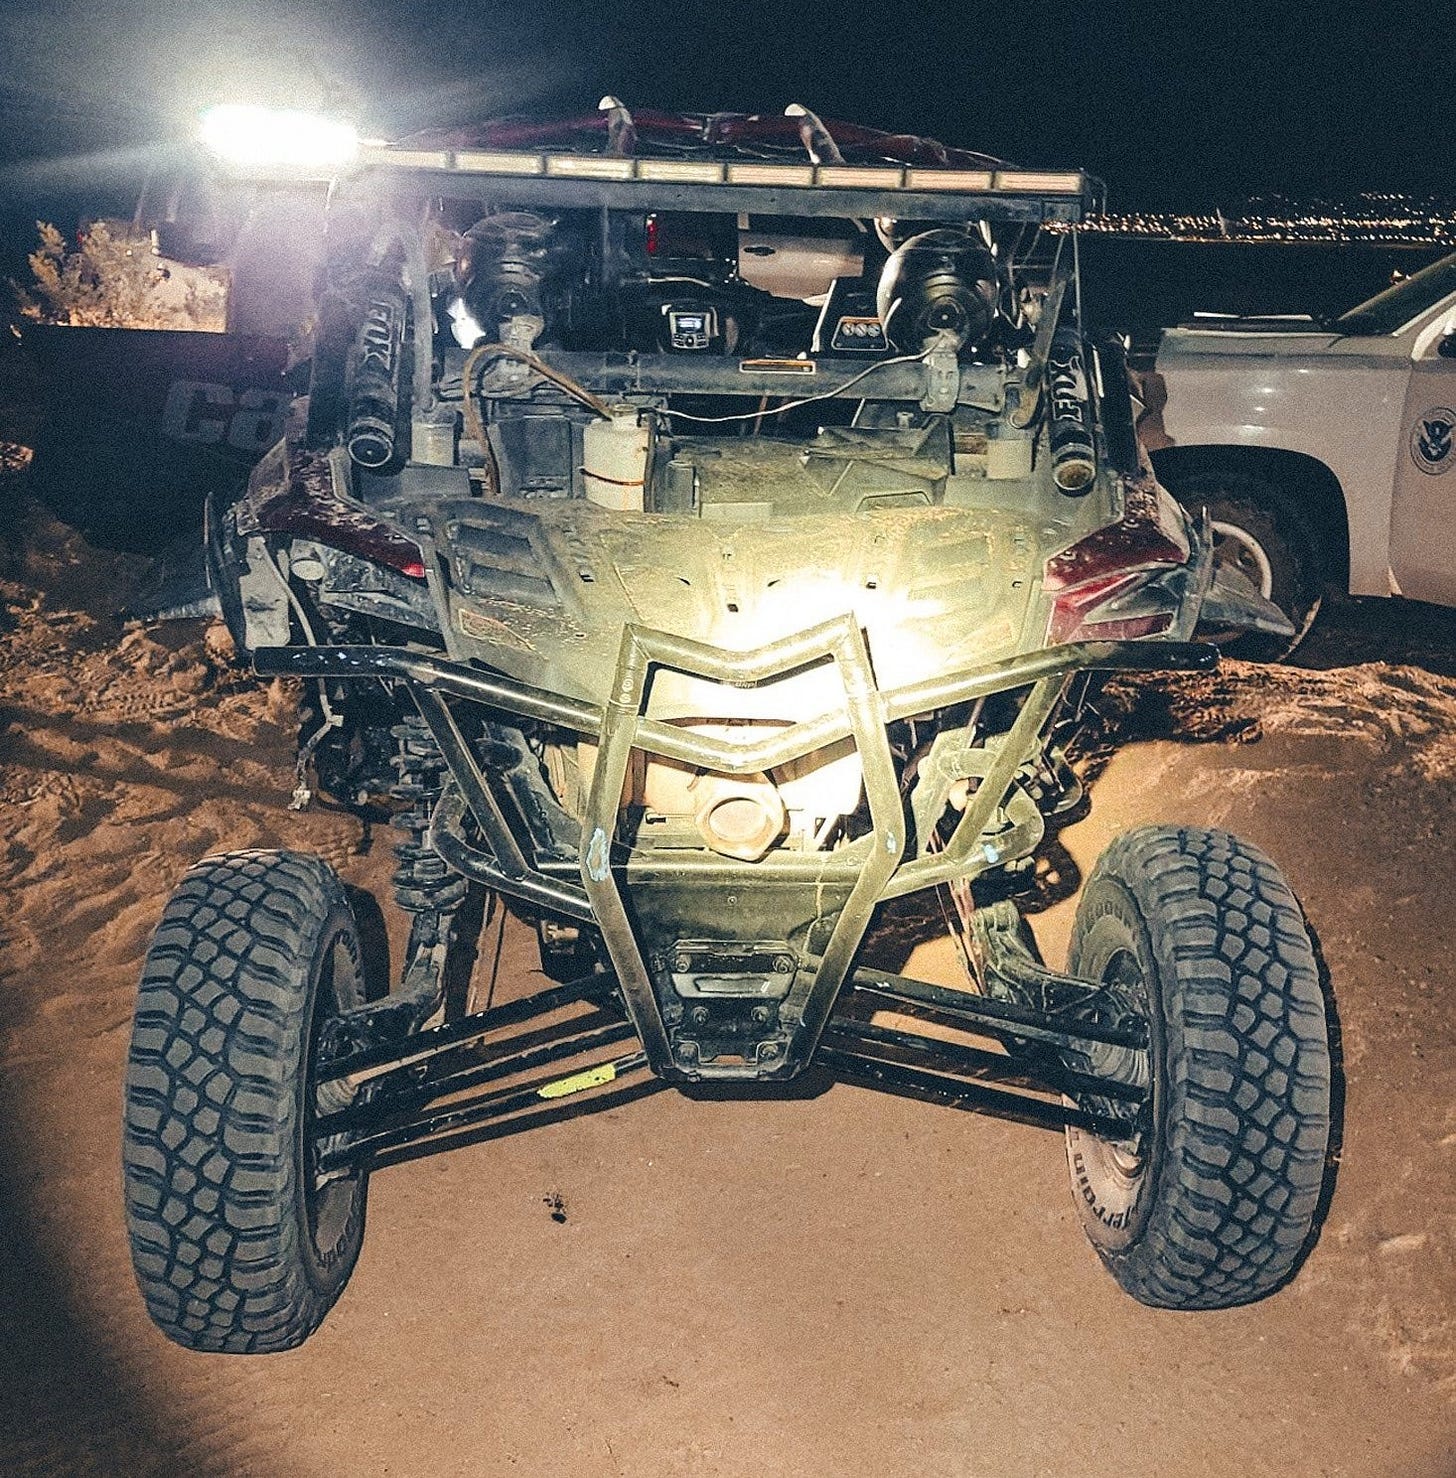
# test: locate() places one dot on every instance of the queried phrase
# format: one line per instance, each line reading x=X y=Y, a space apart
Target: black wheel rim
x=328 y=1203
x=1118 y=1172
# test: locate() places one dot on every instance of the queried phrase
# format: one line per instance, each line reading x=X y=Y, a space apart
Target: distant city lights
x=1374 y=218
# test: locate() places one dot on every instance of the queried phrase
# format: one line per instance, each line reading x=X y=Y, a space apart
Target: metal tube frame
x=418 y=1095
x=873 y=867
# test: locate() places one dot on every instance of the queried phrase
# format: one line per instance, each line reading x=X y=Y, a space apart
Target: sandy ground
x=846 y=1284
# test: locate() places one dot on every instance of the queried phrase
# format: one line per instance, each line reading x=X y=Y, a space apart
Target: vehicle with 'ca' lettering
x=699 y=531
x=1321 y=452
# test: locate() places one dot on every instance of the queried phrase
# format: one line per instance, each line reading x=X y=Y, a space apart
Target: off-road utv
x=699 y=532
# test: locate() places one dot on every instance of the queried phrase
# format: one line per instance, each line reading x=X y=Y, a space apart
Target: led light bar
x=854 y=176
x=589 y=167
x=887 y=178
x=681 y=171
x=251 y=137
x=770 y=174
x=408 y=158
x=975 y=180
x=1033 y=182
x=497 y=161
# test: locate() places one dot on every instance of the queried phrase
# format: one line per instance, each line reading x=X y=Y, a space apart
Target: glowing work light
x=252 y=137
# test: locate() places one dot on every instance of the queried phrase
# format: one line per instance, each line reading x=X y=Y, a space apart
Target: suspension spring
x=422 y=881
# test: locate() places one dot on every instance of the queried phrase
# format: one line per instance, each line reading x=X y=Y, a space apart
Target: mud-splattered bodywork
x=731 y=608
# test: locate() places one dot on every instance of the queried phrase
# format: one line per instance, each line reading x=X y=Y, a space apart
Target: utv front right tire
x=235 y=1245
x=1211 y=1202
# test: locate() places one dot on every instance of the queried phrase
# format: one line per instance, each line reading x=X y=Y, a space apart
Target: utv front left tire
x=236 y=1248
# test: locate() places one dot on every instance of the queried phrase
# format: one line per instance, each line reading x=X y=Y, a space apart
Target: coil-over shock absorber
x=424 y=886
x=428 y=891
x=422 y=882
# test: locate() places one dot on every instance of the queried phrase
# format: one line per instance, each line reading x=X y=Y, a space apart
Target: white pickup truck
x=1324 y=453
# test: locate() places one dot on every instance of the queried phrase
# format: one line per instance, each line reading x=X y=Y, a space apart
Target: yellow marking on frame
x=592 y=1077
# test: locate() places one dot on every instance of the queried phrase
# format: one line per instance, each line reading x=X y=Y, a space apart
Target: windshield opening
x=1390 y=311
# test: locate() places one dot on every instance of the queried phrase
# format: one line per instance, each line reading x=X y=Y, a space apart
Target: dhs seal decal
x=1431 y=440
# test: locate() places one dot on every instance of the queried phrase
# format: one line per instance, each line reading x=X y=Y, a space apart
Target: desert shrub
x=114 y=280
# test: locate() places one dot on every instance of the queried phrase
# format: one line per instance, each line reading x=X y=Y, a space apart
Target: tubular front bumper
x=596 y=888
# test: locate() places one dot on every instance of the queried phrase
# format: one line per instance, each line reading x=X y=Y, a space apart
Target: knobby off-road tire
x=1260 y=530
x=234 y=1248
x=1212 y=1206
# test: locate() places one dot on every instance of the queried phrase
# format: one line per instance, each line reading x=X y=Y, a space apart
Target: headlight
x=253 y=137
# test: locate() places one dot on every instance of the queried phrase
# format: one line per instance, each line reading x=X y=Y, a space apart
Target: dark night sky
x=1174 y=105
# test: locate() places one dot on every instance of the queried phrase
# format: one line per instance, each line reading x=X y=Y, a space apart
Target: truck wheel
x=1258 y=531
x=235 y=1244
x=1210 y=1204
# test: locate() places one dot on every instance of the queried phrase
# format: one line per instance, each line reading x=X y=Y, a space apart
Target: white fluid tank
x=614 y=460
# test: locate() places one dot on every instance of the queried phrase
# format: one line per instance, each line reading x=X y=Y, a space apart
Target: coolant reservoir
x=1008 y=453
x=614 y=460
